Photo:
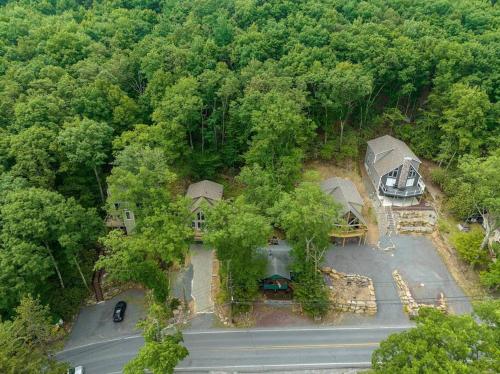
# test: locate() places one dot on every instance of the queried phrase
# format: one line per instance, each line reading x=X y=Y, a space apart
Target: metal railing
x=408 y=192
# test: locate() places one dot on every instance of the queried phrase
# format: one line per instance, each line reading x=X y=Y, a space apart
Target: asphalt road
x=246 y=350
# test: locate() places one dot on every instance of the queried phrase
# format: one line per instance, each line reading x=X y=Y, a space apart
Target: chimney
x=403 y=175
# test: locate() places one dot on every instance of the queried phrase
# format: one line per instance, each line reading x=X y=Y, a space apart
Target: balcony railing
x=406 y=192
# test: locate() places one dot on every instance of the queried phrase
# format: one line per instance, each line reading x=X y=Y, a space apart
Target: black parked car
x=119 y=312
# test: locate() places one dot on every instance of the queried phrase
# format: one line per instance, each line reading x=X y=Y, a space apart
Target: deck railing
x=409 y=192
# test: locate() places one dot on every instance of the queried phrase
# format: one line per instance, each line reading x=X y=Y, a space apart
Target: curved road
x=246 y=350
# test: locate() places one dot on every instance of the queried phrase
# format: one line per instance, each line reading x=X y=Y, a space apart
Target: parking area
x=95 y=322
x=416 y=260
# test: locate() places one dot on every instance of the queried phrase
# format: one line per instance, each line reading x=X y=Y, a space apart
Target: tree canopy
x=110 y=101
x=443 y=344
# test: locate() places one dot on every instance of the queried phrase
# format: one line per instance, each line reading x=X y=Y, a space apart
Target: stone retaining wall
x=410 y=303
x=419 y=221
x=352 y=281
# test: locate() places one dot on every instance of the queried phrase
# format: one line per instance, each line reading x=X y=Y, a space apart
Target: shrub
x=444 y=226
x=468 y=247
x=491 y=277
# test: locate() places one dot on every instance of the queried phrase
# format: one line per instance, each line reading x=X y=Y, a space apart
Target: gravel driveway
x=95 y=322
x=417 y=261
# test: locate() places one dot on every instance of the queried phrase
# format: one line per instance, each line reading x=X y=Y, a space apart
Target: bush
x=468 y=247
x=444 y=226
x=327 y=150
x=491 y=277
x=311 y=292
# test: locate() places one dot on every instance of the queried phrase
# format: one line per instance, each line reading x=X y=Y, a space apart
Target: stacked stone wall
x=407 y=299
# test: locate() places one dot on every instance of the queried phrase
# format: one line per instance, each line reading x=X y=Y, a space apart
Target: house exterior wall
x=121 y=217
x=129 y=221
x=385 y=176
x=384 y=179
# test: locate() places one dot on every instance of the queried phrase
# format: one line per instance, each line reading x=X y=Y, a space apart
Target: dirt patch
x=437 y=195
x=352 y=171
x=276 y=316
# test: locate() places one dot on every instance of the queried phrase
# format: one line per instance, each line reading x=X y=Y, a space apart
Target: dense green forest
x=130 y=99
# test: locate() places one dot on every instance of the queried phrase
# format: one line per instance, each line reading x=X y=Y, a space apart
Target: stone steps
x=391 y=225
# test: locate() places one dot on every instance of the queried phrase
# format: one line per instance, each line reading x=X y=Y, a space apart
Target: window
x=198 y=222
x=393 y=173
x=117 y=205
x=412 y=173
x=127 y=214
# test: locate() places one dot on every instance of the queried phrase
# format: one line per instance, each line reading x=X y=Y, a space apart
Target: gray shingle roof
x=344 y=192
x=278 y=259
x=394 y=151
x=207 y=189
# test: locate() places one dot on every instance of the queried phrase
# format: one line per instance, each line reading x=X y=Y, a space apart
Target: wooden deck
x=346 y=234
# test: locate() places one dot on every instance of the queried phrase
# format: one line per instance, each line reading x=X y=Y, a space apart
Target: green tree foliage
x=308 y=217
x=26 y=340
x=161 y=352
x=237 y=232
x=465 y=127
x=33 y=154
x=126 y=261
x=476 y=190
x=86 y=143
x=443 y=344
x=468 y=245
x=197 y=88
x=42 y=235
x=261 y=187
x=182 y=104
x=491 y=277
x=161 y=239
x=142 y=178
x=281 y=130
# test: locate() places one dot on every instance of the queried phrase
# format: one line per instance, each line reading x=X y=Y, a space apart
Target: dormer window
x=412 y=173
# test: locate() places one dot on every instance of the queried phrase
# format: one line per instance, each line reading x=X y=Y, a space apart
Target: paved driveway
x=95 y=322
x=201 y=258
x=417 y=261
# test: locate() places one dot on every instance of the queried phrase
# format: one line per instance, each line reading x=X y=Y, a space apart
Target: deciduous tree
x=237 y=232
x=162 y=351
x=442 y=344
x=308 y=216
x=86 y=143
